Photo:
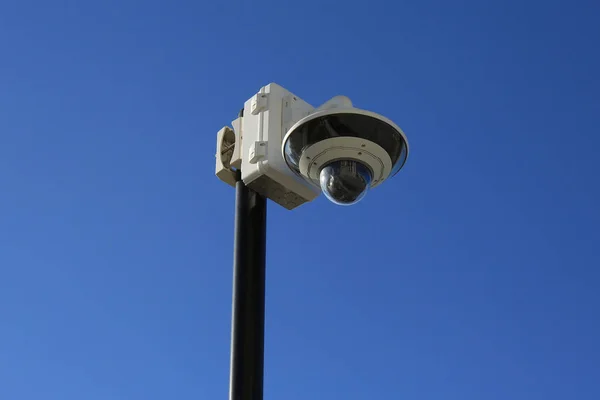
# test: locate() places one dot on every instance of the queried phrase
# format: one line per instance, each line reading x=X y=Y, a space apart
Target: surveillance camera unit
x=288 y=151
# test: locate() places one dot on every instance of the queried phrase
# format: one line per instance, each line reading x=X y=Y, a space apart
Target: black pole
x=248 y=314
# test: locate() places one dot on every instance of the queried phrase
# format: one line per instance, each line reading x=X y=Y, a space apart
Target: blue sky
x=472 y=274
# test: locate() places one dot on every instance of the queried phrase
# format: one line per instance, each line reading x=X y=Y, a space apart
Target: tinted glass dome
x=345 y=182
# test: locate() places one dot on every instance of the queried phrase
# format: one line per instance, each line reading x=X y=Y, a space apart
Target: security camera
x=289 y=151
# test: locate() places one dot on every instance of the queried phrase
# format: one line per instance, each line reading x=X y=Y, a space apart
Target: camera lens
x=345 y=182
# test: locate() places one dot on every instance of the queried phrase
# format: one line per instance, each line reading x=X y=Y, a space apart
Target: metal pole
x=248 y=314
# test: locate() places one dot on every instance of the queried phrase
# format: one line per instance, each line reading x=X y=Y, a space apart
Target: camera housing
x=339 y=132
x=289 y=151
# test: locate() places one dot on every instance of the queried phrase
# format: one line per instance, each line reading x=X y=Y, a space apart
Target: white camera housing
x=282 y=144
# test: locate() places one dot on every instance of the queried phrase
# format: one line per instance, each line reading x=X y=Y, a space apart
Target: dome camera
x=289 y=151
x=345 y=151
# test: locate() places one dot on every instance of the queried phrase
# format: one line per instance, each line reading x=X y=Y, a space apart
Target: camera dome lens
x=345 y=182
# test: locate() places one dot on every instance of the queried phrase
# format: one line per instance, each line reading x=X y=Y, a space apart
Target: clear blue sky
x=473 y=274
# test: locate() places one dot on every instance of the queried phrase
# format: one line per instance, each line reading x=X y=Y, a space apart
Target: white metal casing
x=267 y=117
x=372 y=155
x=368 y=153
